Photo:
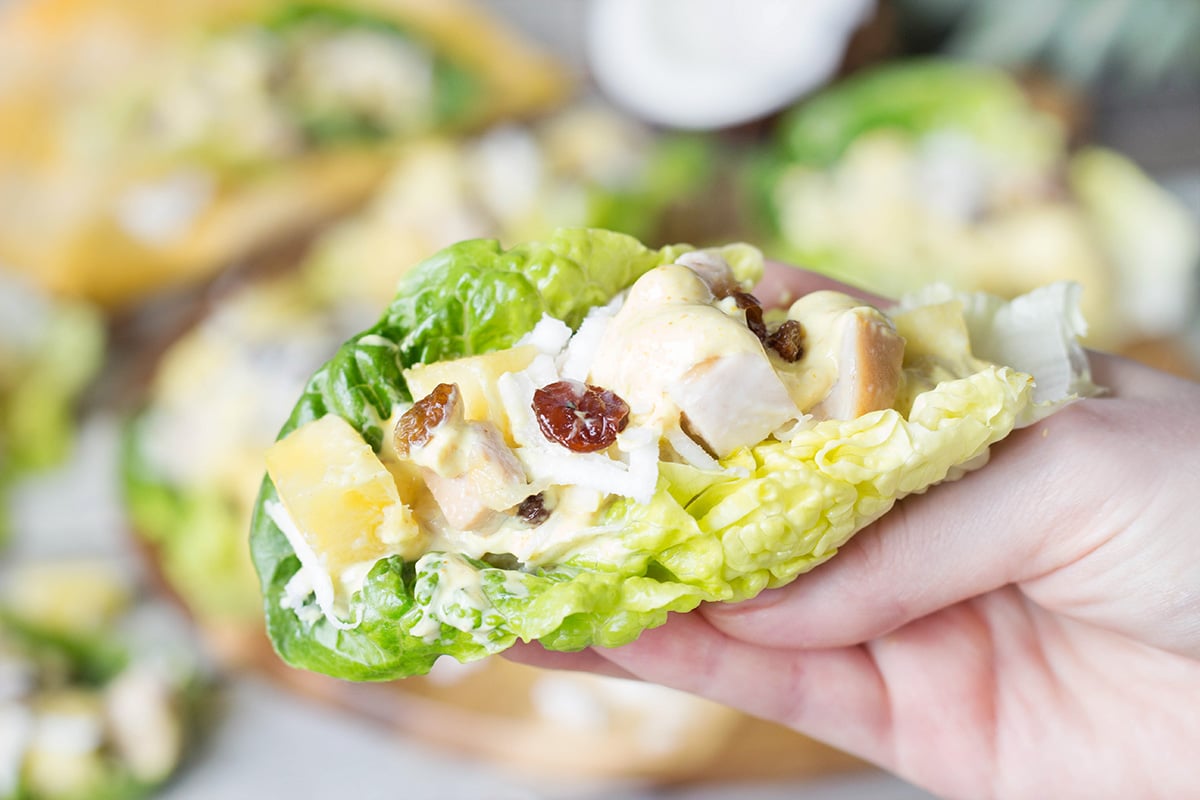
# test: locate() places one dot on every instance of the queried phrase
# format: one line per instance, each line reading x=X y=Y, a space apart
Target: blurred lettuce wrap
x=98 y=703
x=540 y=444
x=49 y=351
x=191 y=456
x=584 y=166
x=945 y=171
x=916 y=98
x=149 y=143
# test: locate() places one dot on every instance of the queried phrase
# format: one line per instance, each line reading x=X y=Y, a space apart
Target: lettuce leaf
x=704 y=536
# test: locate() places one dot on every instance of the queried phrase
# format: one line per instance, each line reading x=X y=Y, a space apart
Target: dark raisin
x=416 y=425
x=580 y=417
x=754 y=313
x=788 y=341
x=533 y=510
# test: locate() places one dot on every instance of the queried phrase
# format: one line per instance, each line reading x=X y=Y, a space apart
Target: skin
x=1032 y=630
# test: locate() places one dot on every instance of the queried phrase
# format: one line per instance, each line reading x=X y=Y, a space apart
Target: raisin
x=580 y=417
x=788 y=341
x=533 y=510
x=754 y=313
x=416 y=426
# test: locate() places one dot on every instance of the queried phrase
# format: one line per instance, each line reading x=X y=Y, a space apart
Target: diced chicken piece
x=733 y=401
x=669 y=284
x=670 y=351
x=470 y=471
x=869 y=355
x=852 y=358
x=494 y=482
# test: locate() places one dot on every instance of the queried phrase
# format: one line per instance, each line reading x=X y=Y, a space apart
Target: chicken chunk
x=468 y=468
x=732 y=401
x=852 y=360
x=670 y=351
x=869 y=357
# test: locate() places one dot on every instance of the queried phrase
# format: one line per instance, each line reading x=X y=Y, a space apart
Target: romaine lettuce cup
x=191 y=454
x=191 y=468
x=568 y=440
x=583 y=166
x=148 y=144
x=959 y=178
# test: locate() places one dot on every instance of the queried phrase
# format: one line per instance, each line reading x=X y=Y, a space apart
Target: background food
x=94 y=700
x=149 y=144
x=939 y=171
x=49 y=350
x=301 y=244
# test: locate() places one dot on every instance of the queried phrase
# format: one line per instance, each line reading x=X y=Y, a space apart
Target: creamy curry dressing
x=669 y=339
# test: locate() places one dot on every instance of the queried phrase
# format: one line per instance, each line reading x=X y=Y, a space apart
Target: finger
x=835 y=695
x=1125 y=378
x=534 y=655
x=782 y=284
x=1042 y=502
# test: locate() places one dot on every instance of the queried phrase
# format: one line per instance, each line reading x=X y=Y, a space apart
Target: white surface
x=267 y=744
x=272 y=745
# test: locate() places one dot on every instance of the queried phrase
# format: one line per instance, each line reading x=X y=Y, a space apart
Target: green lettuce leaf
x=778 y=509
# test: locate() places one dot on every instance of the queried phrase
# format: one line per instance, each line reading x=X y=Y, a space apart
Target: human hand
x=1032 y=630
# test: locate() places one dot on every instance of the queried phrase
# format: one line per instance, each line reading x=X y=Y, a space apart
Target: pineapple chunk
x=343 y=502
x=476 y=378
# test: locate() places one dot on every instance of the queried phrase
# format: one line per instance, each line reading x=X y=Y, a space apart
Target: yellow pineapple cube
x=342 y=499
x=476 y=378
